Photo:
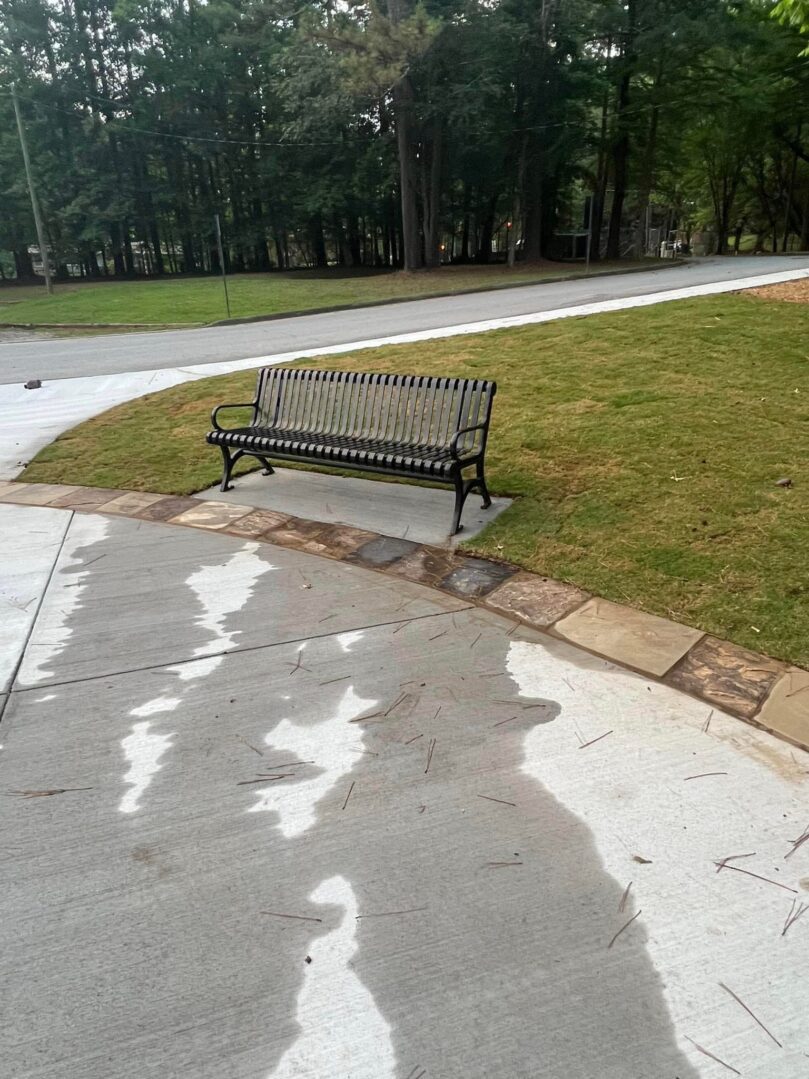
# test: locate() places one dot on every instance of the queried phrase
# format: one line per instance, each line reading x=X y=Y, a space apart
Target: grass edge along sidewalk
x=643 y=448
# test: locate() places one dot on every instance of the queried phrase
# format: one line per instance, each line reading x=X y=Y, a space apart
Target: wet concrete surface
x=267 y=816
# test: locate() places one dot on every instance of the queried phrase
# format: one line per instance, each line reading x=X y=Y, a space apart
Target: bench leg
x=229 y=460
x=484 y=490
x=268 y=470
x=460 y=498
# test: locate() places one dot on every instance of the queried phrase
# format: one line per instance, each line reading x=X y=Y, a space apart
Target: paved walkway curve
x=270 y=815
x=763 y=691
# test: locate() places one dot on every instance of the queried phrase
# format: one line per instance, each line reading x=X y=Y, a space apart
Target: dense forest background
x=389 y=134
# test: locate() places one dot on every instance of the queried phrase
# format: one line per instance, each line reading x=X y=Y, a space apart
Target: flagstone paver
x=130 y=504
x=427 y=565
x=383 y=551
x=86 y=498
x=538 y=600
x=39 y=494
x=477 y=577
x=253 y=525
x=726 y=675
x=786 y=709
x=167 y=507
x=299 y=534
x=213 y=515
x=636 y=639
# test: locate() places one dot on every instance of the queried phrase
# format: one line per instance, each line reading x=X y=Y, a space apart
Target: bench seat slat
x=394 y=454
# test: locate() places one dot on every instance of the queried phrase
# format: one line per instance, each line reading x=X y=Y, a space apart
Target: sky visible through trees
x=387 y=133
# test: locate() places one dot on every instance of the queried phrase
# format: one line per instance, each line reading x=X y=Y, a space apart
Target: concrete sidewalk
x=272 y=816
x=406 y=511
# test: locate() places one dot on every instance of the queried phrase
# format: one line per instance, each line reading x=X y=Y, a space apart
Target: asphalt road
x=98 y=355
x=292 y=818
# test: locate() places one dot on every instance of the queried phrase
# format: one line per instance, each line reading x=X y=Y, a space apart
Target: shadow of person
x=412 y=902
x=485 y=913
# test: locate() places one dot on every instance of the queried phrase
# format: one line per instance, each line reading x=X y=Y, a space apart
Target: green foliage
x=794 y=13
x=307 y=126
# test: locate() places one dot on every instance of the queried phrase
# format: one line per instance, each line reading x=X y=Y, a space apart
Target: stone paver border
x=765 y=692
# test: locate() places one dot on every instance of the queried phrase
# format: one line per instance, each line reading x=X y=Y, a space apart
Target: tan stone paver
x=38 y=494
x=300 y=535
x=86 y=498
x=166 y=508
x=338 y=541
x=786 y=710
x=213 y=515
x=636 y=639
x=129 y=504
x=538 y=600
x=253 y=525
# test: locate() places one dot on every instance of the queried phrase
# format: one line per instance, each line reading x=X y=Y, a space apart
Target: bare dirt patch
x=787 y=292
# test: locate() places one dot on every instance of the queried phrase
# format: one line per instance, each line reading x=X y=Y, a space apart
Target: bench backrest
x=416 y=409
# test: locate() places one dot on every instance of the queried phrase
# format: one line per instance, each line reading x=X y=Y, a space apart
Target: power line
x=191 y=138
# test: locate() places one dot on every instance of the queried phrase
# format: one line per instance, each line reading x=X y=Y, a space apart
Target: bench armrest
x=453 y=446
x=214 y=421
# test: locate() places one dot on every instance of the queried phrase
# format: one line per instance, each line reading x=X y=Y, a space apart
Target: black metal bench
x=404 y=425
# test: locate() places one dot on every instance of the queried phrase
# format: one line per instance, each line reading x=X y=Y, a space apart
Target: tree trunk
x=466 y=254
x=431 y=197
x=484 y=252
x=804 y=242
x=620 y=161
x=129 y=261
x=405 y=142
x=402 y=96
x=354 y=247
x=647 y=177
x=790 y=197
x=119 y=268
x=602 y=176
x=23 y=266
x=318 y=241
x=533 y=239
x=620 y=153
x=341 y=244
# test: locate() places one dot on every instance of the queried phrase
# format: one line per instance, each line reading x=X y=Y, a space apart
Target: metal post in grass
x=222 y=261
x=32 y=192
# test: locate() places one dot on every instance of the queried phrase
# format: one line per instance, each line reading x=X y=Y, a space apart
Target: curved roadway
x=112 y=354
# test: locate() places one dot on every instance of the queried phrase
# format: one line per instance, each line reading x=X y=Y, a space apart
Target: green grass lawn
x=198 y=300
x=643 y=448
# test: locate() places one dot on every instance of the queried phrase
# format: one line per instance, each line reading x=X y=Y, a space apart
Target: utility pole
x=222 y=262
x=43 y=247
